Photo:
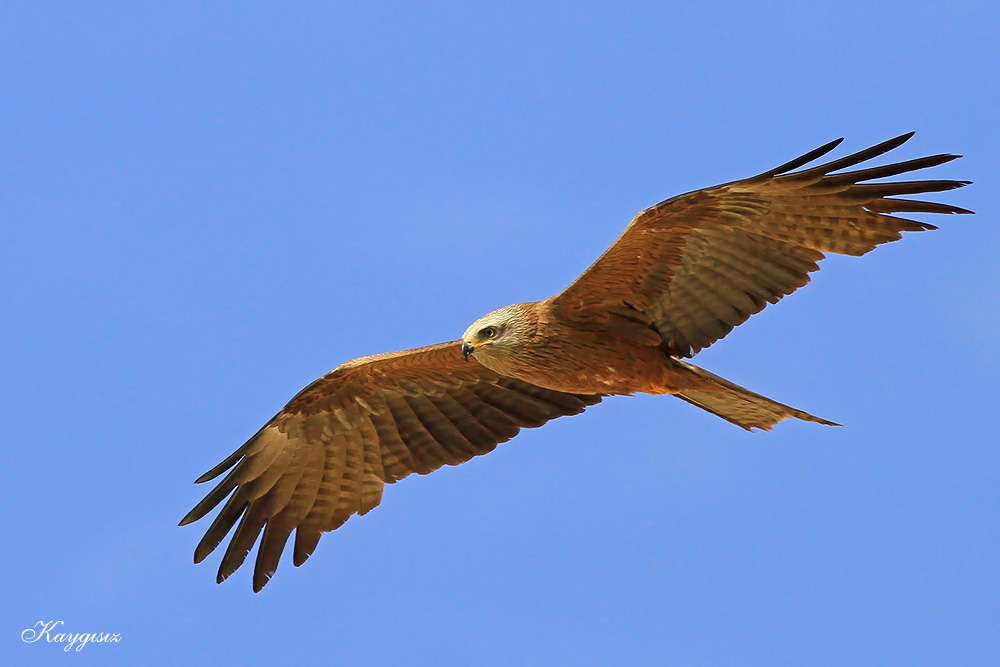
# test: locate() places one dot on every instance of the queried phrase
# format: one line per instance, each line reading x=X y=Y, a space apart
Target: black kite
x=681 y=276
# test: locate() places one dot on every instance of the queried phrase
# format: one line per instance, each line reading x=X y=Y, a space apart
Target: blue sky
x=206 y=207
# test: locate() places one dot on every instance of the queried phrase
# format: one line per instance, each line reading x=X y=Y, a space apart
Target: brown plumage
x=681 y=276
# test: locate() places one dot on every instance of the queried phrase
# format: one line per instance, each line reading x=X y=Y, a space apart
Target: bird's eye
x=488 y=332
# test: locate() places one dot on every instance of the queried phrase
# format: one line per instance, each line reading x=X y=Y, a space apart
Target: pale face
x=495 y=336
x=487 y=330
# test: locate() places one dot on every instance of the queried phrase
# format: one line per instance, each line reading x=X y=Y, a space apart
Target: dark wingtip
x=958 y=209
x=225 y=465
x=896 y=142
x=829 y=146
x=825 y=422
x=190 y=517
x=260 y=580
x=888 y=145
x=801 y=160
x=203 y=549
x=222 y=575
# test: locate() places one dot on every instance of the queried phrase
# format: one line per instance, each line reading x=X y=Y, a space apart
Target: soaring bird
x=679 y=278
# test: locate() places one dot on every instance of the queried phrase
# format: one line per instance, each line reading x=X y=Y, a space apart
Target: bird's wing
x=699 y=264
x=327 y=454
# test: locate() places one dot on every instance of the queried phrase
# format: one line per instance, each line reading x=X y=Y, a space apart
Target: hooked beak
x=467 y=349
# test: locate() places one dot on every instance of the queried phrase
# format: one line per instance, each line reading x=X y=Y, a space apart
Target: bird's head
x=496 y=333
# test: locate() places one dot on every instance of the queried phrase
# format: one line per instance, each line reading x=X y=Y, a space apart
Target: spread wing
x=699 y=264
x=328 y=453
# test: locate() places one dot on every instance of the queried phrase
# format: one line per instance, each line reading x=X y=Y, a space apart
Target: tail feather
x=735 y=404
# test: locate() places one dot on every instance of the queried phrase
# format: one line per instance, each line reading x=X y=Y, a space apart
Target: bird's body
x=681 y=276
x=554 y=353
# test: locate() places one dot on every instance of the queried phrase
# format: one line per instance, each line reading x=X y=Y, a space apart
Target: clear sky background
x=206 y=206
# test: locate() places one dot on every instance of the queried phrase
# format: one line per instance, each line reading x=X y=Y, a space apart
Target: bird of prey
x=680 y=277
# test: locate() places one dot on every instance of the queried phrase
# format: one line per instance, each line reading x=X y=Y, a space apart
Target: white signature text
x=49 y=630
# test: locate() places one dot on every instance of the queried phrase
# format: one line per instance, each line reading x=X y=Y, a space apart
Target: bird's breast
x=583 y=365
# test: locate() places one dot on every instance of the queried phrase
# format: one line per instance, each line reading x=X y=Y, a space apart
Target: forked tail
x=736 y=404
